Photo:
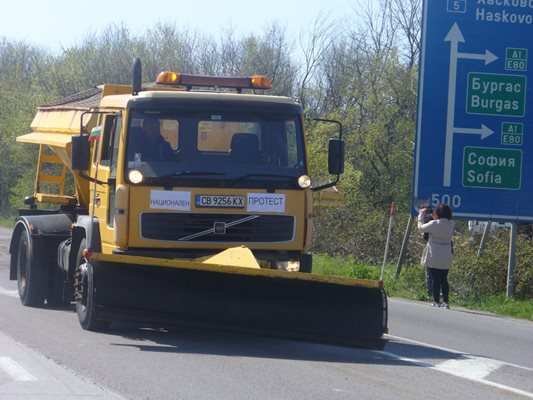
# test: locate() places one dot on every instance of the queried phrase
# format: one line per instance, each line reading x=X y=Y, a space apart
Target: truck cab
x=181 y=173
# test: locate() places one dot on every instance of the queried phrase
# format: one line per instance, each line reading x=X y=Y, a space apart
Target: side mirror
x=80 y=152
x=336 y=156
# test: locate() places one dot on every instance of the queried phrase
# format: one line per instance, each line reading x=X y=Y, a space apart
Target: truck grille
x=217 y=227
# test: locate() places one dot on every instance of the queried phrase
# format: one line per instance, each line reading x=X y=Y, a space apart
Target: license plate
x=219 y=201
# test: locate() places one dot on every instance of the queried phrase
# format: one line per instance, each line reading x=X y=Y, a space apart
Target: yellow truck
x=185 y=201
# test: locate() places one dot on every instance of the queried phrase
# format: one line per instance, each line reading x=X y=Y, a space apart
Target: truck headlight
x=291 y=266
x=135 y=176
x=304 y=181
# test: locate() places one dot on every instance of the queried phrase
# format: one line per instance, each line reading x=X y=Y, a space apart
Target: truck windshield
x=235 y=148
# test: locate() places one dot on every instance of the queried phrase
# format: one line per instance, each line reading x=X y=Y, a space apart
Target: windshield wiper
x=252 y=175
x=190 y=173
x=169 y=178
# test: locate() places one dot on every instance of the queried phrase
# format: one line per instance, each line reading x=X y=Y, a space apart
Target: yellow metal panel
x=110 y=89
x=236 y=257
x=49 y=138
x=308 y=221
x=57 y=120
x=118 y=101
x=55 y=199
x=192 y=265
x=122 y=199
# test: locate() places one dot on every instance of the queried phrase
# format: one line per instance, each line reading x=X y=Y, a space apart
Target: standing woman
x=437 y=255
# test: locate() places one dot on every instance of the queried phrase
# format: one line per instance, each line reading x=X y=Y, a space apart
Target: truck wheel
x=85 y=294
x=30 y=282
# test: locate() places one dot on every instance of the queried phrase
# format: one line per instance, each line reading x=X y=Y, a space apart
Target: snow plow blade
x=292 y=305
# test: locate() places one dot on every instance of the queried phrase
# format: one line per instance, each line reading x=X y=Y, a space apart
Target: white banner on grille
x=169 y=200
x=266 y=202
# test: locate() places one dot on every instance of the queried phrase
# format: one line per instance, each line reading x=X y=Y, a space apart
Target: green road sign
x=493 y=168
x=512 y=133
x=515 y=59
x=496 y=94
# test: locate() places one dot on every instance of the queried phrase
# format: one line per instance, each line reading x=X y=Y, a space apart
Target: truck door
x=104 y=169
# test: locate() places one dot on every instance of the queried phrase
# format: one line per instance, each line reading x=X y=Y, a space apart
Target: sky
x=59 y=24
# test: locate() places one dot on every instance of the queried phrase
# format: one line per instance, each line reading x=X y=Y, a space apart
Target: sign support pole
x=512 y=260
x=405 y=243
x=484 y=238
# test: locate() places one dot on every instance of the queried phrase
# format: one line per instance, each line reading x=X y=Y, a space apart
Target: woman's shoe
x=435 y=304
x=446 y=305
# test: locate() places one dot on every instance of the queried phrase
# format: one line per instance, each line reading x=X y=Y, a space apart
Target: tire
x=31 y=280
x=86 y=294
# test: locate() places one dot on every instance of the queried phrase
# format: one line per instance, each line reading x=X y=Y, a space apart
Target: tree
x=267 y=54
x=20 y=92
x=360 y=71
x=367 y=80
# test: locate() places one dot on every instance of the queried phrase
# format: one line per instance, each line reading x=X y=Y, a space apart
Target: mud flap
x=292 y=305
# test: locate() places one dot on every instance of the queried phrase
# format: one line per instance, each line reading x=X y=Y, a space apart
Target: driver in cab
x=149 y=145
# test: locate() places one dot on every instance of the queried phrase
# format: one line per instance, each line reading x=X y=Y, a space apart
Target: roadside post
x=392 y=213
x=512 y=261
x=403 y=250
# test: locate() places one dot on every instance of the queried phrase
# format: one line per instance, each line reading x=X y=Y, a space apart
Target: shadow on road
x=209 y=342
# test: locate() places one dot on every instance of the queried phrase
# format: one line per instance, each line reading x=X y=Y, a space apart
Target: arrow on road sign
x=455 y=36
x=488 y=57
x=484 y=131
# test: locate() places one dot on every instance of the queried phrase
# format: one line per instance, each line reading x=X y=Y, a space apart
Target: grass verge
x=7 y=222
x=411 y=285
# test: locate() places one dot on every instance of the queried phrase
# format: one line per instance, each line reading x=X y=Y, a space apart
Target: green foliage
x=411 y=284
x=364 y=232
x=23 y=187
x=342 y=266
x=21 y=91
x=500 y=304
x=486 y=274
x=7 y=221
x=523 y=273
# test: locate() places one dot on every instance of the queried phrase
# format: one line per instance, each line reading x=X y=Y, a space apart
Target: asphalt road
x=432 y=354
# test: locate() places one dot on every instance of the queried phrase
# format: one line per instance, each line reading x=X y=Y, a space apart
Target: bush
x=363 y=238
x=486 y=274
x=364 y=233
x=483 y=275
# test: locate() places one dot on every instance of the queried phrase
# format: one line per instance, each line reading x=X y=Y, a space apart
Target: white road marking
x=341 y=391
x=458 y=352
x=474 y=368
x=466 y=366
x=11 y=293
x=15 y=370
